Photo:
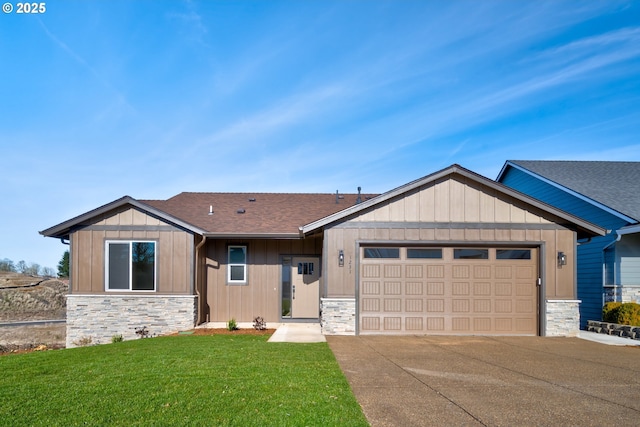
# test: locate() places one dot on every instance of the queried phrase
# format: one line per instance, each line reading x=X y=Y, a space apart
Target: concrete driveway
x=491 y=381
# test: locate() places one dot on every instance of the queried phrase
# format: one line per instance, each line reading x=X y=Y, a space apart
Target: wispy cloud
x=121 y=100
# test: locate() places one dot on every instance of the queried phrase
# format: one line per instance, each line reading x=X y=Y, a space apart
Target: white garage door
x=448 y=290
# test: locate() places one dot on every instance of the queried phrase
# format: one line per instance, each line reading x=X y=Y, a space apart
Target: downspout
x=197 y=279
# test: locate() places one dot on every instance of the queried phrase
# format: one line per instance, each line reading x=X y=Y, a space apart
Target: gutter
x=197 y=278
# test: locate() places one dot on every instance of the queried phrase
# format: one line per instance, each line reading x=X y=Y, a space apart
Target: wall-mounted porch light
x=341 y=258
x=562 y=259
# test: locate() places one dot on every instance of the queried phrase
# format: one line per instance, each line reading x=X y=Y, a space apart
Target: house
x=450 y=253
x=602 y=193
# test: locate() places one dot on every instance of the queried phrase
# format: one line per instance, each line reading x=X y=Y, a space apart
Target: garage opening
x=448 y=291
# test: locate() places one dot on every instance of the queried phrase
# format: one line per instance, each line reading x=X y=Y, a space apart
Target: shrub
x=627 y=313
x=142 y=332
x=610 y=312
x=83 y=342
x=117 y=338
x=232 y=325
x=259 y=324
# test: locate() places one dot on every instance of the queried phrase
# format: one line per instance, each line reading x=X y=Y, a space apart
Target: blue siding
x=590 y=255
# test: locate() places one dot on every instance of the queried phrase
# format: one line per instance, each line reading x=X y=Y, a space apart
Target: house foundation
x=338 y=316
x=95 y=319
x=563 y=318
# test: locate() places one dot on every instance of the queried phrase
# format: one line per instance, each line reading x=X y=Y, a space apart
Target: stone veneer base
x=100 y=317
x=338 y=316
x=563 y=318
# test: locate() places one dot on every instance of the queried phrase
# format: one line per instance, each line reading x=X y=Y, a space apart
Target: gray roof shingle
x=613 y=184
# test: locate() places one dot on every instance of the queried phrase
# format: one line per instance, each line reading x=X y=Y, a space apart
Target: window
x=424 y=253
x=513 y=254
x=471 y=253
x=131 y=266
x=393 y=253
x=237 y=270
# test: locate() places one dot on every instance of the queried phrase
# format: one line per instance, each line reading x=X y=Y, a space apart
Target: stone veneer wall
x=100 y=317
x=630 y=294
x=563 y=318
x=338 y=316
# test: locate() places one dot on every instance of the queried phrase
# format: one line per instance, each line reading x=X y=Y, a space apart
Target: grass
x=193 y=380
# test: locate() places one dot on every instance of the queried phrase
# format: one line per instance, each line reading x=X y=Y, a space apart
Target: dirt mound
x=20 y=301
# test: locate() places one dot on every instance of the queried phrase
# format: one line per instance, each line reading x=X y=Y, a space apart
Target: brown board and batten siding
x=453 y=211
x=174 y=256
x=260 y=296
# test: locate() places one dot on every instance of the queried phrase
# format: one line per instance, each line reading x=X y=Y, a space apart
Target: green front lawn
x=222 y=380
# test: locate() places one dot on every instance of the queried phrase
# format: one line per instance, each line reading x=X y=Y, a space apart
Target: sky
x=105 y=98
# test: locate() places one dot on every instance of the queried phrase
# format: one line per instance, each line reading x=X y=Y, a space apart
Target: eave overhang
x=584 y=228
x=64 y=229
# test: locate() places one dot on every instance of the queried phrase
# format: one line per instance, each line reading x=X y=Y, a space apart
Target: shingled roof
x=253 y=213
x=612 y=184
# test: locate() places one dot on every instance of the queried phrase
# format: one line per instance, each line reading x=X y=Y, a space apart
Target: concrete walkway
x=298 y=332
x=607 y=339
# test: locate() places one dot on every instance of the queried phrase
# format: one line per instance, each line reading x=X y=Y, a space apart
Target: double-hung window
x=131 y=265
x=237 y=266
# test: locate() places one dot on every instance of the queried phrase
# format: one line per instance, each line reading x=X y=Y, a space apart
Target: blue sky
x=101 y=99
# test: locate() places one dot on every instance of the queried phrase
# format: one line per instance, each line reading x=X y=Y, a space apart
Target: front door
x=305 y=287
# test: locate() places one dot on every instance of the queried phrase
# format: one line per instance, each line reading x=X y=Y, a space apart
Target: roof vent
x=359 y=199
x=252 y=199
x=210 y=209
x=240 y=211
x=338 y=197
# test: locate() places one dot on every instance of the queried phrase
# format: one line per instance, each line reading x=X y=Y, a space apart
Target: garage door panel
x=435 y=288
x=435 y=306
x=371 y=288
x=392 y=271
x=485 y=296
x=414 y=323
x=392 y=305
x=392 y=323
x=481 y=289
x=371 y=305
x=392 y=288
x=414 y=305
x=414 y=271
x=414 y=288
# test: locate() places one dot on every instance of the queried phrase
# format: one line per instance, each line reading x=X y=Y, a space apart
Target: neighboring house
x=603 y=193
x=450 y=253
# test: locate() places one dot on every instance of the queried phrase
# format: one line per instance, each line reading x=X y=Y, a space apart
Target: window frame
x=130 y=242
x=244 y=281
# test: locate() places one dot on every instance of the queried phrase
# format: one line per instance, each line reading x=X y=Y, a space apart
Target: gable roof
x=62 y=230
x=265 y=215
x=609 y=185
x=584 y=228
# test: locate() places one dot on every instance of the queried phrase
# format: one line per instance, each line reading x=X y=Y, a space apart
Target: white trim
x=629 y=229
x=564 y=300
x=230 y=264
x=130 y=242
x=566 y=190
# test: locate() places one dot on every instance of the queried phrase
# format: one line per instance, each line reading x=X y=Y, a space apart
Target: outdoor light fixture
x=341 y=258
x=562 y=259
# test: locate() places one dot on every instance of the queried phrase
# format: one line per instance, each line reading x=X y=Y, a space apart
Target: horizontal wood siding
x=260 y=296
x=174 y=252
x=590 y=255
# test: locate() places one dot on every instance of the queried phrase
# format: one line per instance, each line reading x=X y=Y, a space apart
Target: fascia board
x=268 y=236
x=63 y=229
x=629 y=229
x=455 y=169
